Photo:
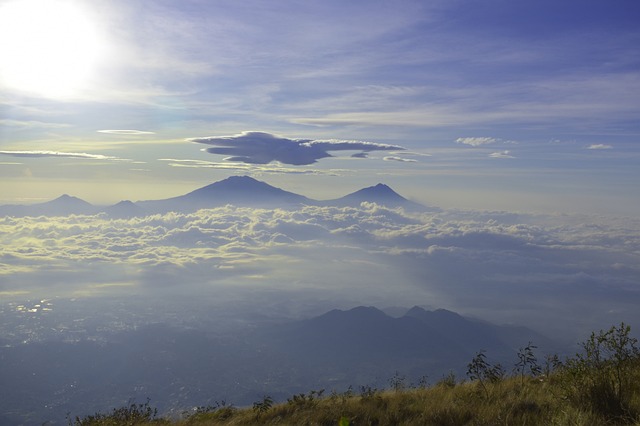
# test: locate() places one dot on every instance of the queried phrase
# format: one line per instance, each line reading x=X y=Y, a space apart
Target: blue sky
x=496 y=105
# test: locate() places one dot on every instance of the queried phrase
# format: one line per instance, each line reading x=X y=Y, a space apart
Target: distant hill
x=124 y=209
x=473 y=335
x=380 y=194
x=366 y=342
x=62 y=206
x=235 y=190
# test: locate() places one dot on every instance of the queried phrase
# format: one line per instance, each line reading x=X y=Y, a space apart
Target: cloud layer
x=264 y=148
x=529 y=269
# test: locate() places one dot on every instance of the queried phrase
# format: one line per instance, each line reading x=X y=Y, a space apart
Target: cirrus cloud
x=264 y=148
x=59 y=154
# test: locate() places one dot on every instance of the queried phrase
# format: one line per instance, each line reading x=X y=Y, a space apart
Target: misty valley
x=81 y=356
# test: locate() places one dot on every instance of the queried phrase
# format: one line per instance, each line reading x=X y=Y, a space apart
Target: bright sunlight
x=49 y=48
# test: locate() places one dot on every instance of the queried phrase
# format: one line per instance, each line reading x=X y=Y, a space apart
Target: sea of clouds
x=560 y=273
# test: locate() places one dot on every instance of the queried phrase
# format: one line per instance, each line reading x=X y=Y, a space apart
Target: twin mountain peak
x=235 y=190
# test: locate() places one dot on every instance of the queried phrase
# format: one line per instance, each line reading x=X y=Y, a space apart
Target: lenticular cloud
x=264 y=148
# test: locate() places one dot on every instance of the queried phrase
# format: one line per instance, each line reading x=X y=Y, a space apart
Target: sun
x=49 y=47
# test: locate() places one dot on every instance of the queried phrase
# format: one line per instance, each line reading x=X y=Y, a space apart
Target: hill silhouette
x=235 y=190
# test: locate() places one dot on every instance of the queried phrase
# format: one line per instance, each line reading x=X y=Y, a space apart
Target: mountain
x=124 y=209
x=380 y=194
x=235 y=190
x=62 y=206
x=367 y=332
x=474 y=335
x=364 y=342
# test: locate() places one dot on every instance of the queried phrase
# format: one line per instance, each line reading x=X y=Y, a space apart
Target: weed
x=133 y=414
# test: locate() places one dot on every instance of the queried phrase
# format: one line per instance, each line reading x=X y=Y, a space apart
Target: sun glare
x=49 y=47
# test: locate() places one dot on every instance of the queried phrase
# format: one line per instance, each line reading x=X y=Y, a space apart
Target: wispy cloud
x=32 y=124
x=477 y=141
x=400 y=159
x=247 y=168
x=59 y=154
x=126 y=132
x=599 y=146
x=501 y=154
x=264 y=148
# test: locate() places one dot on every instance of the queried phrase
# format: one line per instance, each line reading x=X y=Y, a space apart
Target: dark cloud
x=263 y=148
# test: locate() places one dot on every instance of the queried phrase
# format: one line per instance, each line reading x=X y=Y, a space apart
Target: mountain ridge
x=234 y=190
x=364 y=340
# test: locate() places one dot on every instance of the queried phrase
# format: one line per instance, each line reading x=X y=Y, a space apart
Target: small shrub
x=481 y=370
x=551 y=364
x=367 y=392
x=601 y=378
x=199 y=414
x=263 y=406
x=305 y=400
x=131 y=415
x=397 y=382
x=527 y=362
x=448 y=381
x=423 y=383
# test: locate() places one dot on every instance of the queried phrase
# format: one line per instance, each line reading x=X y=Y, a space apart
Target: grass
x=509 y=402
x=599 y=386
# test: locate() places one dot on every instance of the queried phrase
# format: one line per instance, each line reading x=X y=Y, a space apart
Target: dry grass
x=510 y=402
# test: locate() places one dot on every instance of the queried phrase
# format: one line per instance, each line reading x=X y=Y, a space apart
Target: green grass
x=598 y=386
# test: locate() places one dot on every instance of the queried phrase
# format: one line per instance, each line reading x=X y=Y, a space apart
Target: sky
x=520 y=106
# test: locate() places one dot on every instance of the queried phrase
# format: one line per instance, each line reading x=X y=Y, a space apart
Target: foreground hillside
x=598 y=386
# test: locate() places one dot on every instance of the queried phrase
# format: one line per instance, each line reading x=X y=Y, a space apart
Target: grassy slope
x=599 y=386
x=536 y=402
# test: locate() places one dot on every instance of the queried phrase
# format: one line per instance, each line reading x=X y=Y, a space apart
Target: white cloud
x=264 y=148
x=501 y=154
x=59 y=154
x=477 y=141
x=400 y=159
x=539 y=269
x=599 y=146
